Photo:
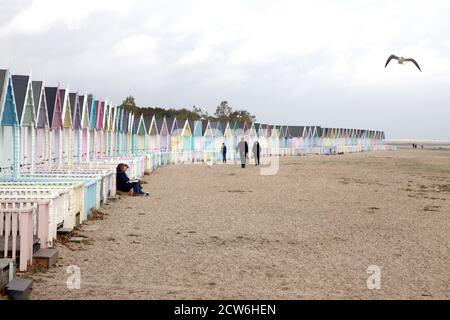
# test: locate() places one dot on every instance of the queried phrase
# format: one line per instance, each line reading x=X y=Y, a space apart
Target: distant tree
x=223 y=111
x=242 y=116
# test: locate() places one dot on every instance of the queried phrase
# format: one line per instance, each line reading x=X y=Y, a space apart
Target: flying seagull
x=401 y=60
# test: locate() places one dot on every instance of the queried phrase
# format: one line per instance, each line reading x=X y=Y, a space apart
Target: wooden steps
x=7 y=272
x=45 y=257
x=19 y=289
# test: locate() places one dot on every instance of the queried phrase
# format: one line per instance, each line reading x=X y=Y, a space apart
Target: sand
x=309 y=232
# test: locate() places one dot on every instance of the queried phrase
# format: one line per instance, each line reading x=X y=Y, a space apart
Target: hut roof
x=37 y=91
x=20 y=84
x=50 y=94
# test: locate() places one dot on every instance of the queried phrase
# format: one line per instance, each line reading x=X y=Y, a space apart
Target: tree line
x=224 y=112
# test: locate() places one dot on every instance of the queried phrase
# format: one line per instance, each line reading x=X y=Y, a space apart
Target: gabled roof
x=147 y=119
x=75 y=110
x=287 y=132
x=198 y=129
x=153 y=128
x=160 y=124
x=99 y=121
x=93 y=114
x=142 y=127
x=223 y=126
x=208 y=132
x=216 y=129
x=37 y=94
x=174 y=128
x=54 y=106
x=187 y=131
x=20 y=84
x=8 y=112
x=163 y=129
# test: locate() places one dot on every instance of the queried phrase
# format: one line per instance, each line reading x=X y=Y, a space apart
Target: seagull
x=401 y=60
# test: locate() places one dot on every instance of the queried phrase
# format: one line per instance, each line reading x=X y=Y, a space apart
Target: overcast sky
x=287 y=62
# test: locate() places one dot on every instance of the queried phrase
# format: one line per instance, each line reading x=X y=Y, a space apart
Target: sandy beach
x=308 y=232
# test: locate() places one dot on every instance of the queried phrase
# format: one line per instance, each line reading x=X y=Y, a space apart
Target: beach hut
x=105 y=145
x=296 y=142
x=187 y=141
x=112 y=131
x=154 y=139
x=141 y=132
x=108 y=127
x=175 y=136
x=23 y=93
x=164 y=134
x=208 y=141
x=42 y=124
x=84 y=101
x=287 y=141
x=121 y=131
x=99 y=129
x=315 y=138
x=274 y=141
x=76 y=126
x=197 y=136
x=218 y=139
x=132 y=134
x=9 y=127
x=93 y=107
x=126 y=131
x=66 y=125
x=118 y=128
x=56 y=124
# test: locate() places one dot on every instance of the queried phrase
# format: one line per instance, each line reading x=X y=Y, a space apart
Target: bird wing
x=415 y=62
x=392 y=56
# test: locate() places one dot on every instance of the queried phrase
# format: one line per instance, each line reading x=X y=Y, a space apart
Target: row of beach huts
x=59 y=151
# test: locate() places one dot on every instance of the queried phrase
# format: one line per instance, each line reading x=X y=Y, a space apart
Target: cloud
x=41 y=15
x=286 y=61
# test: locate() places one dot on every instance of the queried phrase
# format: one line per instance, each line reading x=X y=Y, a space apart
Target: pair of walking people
x=242 y=149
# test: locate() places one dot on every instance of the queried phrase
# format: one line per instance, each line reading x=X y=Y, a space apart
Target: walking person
x=124 y=184
x=224 y=153
x=256 y=152
x=242 y=149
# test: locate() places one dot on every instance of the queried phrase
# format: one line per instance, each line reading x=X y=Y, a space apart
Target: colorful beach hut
x=187 y=141
x=23 y=93
x=76 y=126
x=197 y=136
x=42 y=154
x=67 y=125
x=141 y=133
x=83 y=102
x=9 y=127
x=164 y=134
x=154 y=138
x=56 y=124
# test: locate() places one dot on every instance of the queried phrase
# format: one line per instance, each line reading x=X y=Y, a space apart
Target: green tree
x=223 y=111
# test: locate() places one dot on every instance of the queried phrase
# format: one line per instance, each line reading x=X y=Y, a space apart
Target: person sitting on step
x=124 y=184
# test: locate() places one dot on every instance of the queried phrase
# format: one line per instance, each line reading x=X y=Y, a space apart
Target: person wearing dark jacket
x=224 y=153
x=124 y=184
x=256 y=152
